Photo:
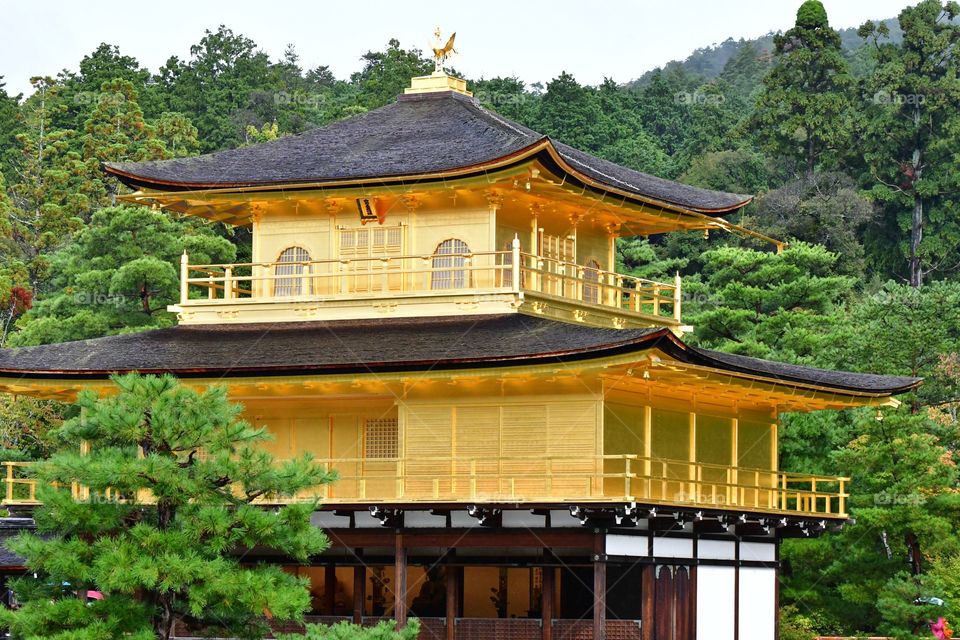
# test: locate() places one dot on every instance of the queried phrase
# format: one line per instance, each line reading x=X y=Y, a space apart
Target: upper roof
x=416 y=137
x=411 y=344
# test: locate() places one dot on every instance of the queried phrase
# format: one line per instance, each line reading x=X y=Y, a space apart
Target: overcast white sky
x=530 y=39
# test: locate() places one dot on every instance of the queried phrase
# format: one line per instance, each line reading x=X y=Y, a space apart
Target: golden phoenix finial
x=440 y=54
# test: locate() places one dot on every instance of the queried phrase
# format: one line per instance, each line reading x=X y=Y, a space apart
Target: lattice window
x=557 y=248
x=376 y=242
x=380 y=439
x=448 y=265
x=365 y=248
x=591 y=282
x=292 y=262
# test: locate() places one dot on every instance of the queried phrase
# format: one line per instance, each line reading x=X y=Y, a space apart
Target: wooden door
x=673 y=612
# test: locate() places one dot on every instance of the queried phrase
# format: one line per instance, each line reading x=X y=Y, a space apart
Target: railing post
x=184 y=274
x=9 y=481
x=305 y=280
x=515 y=262
x=783 y=492
x=677 y=297
x=656 y=299
x=843 y=498
x=626 y=480
x=227 y=283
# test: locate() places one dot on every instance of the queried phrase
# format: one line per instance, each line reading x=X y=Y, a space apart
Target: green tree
x=663 y=107
x=52 y=194
x=9 y=127
x=867 y=579
x=900 y=330
x=826 y=208
x=82 y=91
x=190 y=473
x=764 y=304
x=215 y=86
x=911 y=135
x=386 y=630
x=803 y=112
x=119 y=274
x=387 y=73
x=735 y=171
x=509 y=97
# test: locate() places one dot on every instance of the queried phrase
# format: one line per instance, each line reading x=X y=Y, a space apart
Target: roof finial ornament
x=441 y=53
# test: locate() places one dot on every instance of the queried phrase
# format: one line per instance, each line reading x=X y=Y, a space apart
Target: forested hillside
x=849 y=141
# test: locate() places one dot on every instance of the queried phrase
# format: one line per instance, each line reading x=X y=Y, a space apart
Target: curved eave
x=543 y=149
x=617 y=353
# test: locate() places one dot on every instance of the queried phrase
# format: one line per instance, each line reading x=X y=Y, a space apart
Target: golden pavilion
x=527 y=446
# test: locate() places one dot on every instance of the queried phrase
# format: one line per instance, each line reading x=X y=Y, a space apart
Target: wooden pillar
x=599 y=587
x=647 y=593
x=453 y=596
x=546 y=601
x=400 y=584
x=359 y=592
x=330 y=589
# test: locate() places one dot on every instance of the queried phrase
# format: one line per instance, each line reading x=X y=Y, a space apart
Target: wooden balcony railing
x=622 y=478
x=422 y=276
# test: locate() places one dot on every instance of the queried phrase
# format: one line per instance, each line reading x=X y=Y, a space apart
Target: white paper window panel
x=618 y=545
x=717 y=549
x=716 y=602
x=758 y=551
x=758 y=611
x=673 y=547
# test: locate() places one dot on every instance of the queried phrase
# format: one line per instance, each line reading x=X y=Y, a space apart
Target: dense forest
x=849 y=141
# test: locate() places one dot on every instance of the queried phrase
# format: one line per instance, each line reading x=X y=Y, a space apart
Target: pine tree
x=164 y=497
x=912 y=132
x=803 y=112
x=782 y=306
x=120 y=273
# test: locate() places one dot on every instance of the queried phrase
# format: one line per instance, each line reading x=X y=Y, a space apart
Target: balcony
x=509 y=479
x=404 y=286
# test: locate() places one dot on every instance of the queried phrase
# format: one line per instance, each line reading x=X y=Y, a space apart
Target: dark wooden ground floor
x=596 y=583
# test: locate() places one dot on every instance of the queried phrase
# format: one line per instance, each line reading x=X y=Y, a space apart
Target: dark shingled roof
x=416 y=135
x=407 y=344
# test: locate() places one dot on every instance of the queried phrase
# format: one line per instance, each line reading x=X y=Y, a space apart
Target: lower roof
x=407 y=344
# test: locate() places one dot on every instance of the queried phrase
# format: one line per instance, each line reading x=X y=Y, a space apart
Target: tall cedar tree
x=170 y=483
x=912 y=131
x=803 y=112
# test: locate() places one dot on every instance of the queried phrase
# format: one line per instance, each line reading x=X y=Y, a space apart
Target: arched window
x=591 y=282
x=448 y=263
x=292 y=263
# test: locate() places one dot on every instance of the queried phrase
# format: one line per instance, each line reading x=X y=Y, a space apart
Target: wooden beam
x=400 y=583
x=451 y=574
x=330 y=589
x=599 y=587
x=546 y=601
x=359 y=592
x=647 y=594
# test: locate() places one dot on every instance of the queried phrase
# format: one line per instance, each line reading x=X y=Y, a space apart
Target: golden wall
x=437 y=444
